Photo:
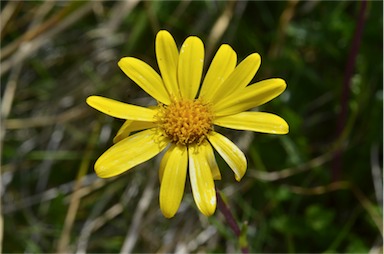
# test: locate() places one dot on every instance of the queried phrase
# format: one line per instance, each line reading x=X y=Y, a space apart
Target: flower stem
x=348 y=74
x=231 y=222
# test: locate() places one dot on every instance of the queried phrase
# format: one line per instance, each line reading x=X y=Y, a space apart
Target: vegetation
x=316 y=189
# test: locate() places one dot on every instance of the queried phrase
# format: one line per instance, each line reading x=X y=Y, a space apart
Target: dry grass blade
x=95 y=224
x=91 y=183
x=36 y=31
x=377 y=176
x=284 y=21
x=74 y=203
x=38 y=37
x=220 y=27
x=6 y=14
x=67 y=116
x=142 y=207
x=287 y=172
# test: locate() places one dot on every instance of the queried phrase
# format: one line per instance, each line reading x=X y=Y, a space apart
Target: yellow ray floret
x=173 y=180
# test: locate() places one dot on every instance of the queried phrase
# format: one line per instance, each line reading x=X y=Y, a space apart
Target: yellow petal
x=254 y=121
x=130 y=152
x=146 y=77
x=250 y=97
x=173 y=180
x=190 y=67
x=130 y=126
x=203 y=188
x=167 y=58
x=240 y=77
x=163 y=163
x=232 y=155
x=210 y=155
x=121 y=110
x=221 y=67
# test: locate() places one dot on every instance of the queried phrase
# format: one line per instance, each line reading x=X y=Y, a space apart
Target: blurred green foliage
x=297 y=195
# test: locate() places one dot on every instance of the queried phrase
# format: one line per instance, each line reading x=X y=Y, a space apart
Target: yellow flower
x=184 y=119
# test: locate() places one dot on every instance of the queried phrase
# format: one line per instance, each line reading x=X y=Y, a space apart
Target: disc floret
x=185 y=121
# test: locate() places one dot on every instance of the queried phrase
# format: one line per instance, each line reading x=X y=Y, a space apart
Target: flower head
x=183 y=121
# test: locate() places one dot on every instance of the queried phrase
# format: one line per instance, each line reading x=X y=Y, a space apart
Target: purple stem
x=349 y=69
x=229 y=218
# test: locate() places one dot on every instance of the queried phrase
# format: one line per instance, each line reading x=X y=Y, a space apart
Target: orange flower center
x=185 y=121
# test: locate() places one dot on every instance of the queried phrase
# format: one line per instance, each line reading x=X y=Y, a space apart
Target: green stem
x=231 y=221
